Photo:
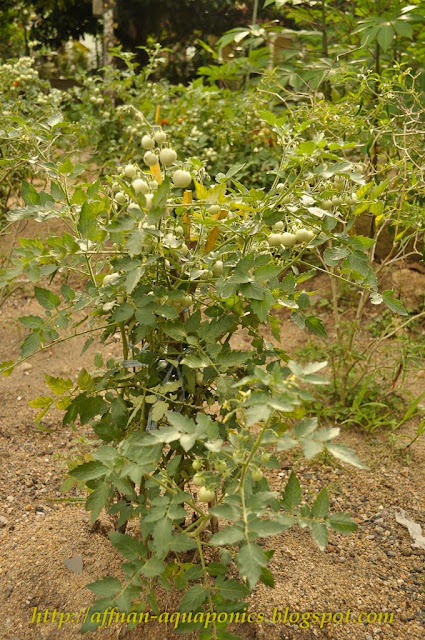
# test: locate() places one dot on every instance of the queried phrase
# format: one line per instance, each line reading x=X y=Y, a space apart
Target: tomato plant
x=189 y=426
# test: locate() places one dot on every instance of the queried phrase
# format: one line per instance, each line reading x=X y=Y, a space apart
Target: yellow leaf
x=213 y=235
x=157 y=113
x=187 y=199
x=201 y=191
x=156 y=173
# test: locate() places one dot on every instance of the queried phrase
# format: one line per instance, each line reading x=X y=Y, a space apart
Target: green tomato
x=205 y=495
x=120 y=197
x=150 y=158
x=214 y=209
x=148 y=142
x=167 y=156
x=275 y=239
x=288 y=239
x=160 y=136
x=130 y=171
x=279 y=226
x=198 y=480
x=181 y=178
x=149 y=200
x=339 y=183
x=197 y=465
x=265 y=457
x=303 y=235
x=220 y=465
x=217 y=268
x=257 y=474
x=140 y=186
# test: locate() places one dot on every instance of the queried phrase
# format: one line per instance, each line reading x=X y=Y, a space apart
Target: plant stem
x=206 y=584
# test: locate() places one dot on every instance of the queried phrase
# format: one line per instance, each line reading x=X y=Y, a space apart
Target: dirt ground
x=375 y=570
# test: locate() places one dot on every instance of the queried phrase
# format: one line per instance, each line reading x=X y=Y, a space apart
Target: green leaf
x=29 y=194
x=106 y=587
x=342 y=523
x=180 y=422
x=132 y=279
x=257 y=413
x=41 y=402
x=357 y=264
x=84 y=380
x=361 y=243
x=32 y=322
x=153 y=567
x=135 y=242
x=311 y=448
x=67 y=292
x=30 y=344
x=181 y=542
x=66 y=167
x=88 y=471
x=123 y=313
x=85 y=407
x=320 y=534
x=345 y=454
x=267 y=578
x=285 y=442
x=265 y=528
x=6 y=367
x=58 y=385
x=233 y=170
x=403 y=28
x=159 y=201
x=159 y=409
x=385 y=36
x=306 y=148
x=229 y=535
x=250 y=560
x=392 y=303
x=87 y=223
x=128 y=546
x=79 y=196
x=268 y=116
x=97 y=500
x=233 y=590
x=333 y=255
x=161 y=536
x=193 y=598
x=226 y=510
x=46 y=298
x=316 y=326
x=253 y=290
x=292 y=495
x=54 y=119
x=320 y=506
x=305 y=427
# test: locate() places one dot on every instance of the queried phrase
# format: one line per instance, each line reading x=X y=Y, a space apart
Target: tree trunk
x=108 y=30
